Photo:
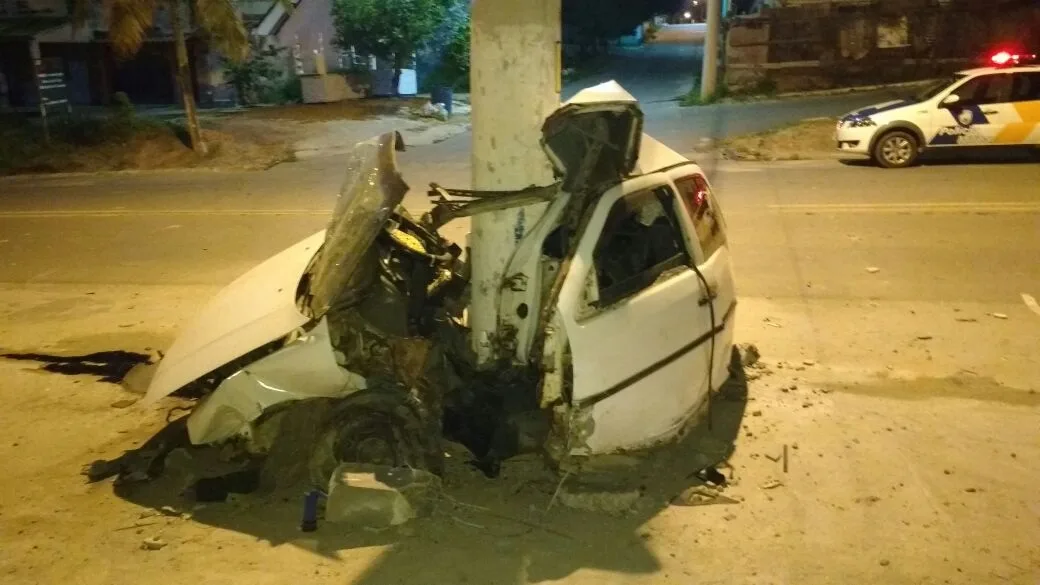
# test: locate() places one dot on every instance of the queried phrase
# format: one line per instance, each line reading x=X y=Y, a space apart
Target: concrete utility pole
x=710 y=67
x=514 y=79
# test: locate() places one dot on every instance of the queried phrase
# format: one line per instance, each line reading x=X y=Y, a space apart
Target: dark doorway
x=147 y=78
x=16 y=65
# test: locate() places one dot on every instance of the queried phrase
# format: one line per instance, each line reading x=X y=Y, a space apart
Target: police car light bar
x=1005 y=58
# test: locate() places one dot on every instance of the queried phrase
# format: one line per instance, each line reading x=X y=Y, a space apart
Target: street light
x=687 y=15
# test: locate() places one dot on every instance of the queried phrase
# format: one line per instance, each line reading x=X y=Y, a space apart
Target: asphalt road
x=954 y=231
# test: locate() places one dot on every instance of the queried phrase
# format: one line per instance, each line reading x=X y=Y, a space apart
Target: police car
x=997 y=105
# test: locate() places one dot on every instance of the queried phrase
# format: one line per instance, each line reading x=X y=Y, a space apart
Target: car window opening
x=641 y=240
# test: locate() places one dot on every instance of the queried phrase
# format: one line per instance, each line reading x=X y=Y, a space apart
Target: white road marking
x=157 y=213
x=937 y=207
x=1031 y=303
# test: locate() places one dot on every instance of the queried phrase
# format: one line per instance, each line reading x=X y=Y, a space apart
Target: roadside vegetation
x=807 y=139
x=120 y=139
x=764 y=88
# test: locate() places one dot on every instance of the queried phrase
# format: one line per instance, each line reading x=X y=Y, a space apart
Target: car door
x=637 y=333
x=977 y=115
x=1023 y=126
x=712 y=256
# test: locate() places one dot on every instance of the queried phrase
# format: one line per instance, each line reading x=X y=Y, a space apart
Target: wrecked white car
x=616 y=314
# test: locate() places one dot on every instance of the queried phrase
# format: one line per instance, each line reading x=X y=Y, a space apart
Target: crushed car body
x=616 y=324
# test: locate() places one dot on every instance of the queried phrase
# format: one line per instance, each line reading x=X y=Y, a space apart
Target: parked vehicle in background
x=989 y=106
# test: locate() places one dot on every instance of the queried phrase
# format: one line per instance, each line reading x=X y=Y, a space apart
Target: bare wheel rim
x=896 y=150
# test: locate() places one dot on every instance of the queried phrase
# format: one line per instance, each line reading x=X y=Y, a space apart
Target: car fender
x=899 y=125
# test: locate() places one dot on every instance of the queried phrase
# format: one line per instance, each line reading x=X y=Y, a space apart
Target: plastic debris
x=153 y=543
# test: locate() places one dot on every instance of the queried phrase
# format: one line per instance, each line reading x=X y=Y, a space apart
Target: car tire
x=896 y=150
x=377 y=428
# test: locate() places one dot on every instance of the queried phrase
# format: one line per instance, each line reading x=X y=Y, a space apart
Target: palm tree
x=129 y=22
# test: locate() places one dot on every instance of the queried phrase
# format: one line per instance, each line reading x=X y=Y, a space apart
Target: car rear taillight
x=699 y=198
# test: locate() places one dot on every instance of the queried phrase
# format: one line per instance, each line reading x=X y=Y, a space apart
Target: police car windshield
x=933 y=90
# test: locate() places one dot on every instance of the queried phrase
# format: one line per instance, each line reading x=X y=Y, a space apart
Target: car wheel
x=896 y=150
x=379 y=430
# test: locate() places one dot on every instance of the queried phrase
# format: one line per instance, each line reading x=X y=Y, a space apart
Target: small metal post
x=34 y=53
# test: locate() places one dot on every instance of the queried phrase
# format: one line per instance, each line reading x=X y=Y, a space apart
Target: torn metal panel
x=593 y=139
x=371 y=192
x=451 y=204
x=256 y=309
x=304 y=368
x=530 y=272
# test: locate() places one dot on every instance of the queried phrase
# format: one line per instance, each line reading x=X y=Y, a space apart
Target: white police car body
x=989 y=106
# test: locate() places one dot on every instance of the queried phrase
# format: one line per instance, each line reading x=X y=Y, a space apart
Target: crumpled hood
x=254 y=310
x=877 y=109
x=262 y=305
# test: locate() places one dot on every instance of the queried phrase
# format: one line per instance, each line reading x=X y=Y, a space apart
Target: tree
x=129 y=22
x=387 y=29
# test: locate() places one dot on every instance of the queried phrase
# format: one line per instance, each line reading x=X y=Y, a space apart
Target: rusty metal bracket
x=452 y=204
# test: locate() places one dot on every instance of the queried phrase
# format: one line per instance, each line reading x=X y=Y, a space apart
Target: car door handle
x=990 y=112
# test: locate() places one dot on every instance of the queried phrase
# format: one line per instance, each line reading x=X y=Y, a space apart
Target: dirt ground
x=923 y=471
x=808 y=139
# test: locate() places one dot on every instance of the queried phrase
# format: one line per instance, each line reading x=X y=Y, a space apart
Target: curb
x=806 y=94
x=856 y=89
x=720 y=155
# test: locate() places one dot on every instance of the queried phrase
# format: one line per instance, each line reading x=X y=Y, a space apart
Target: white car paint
x=257 y=308
x=305 y=368
x=608 y=92
x=938 y=123
x=648 y=355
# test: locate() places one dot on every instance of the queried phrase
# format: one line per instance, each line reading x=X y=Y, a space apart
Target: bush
x=23 y=145
x=693 y=98
x=764 y=87
x=253 y=77
x=290 y=91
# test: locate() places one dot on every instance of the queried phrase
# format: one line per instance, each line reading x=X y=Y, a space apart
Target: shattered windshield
x=371 y=191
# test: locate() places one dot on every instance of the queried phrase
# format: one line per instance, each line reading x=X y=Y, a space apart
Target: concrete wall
x=311 y=18
x=833 y=44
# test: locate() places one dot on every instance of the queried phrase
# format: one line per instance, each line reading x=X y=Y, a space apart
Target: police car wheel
x=896 y=150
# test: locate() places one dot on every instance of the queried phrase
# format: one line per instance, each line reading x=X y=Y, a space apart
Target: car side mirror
x=951 y=99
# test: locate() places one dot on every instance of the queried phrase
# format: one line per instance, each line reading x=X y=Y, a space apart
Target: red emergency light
x=1004 y=58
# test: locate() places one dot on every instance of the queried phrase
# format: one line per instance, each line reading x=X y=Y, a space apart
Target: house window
x=700 y=205
x=641 y=243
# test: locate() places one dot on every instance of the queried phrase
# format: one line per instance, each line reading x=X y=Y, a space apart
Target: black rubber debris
x=108 y=366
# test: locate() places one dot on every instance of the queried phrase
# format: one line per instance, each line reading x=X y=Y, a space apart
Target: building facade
x=43 y=30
